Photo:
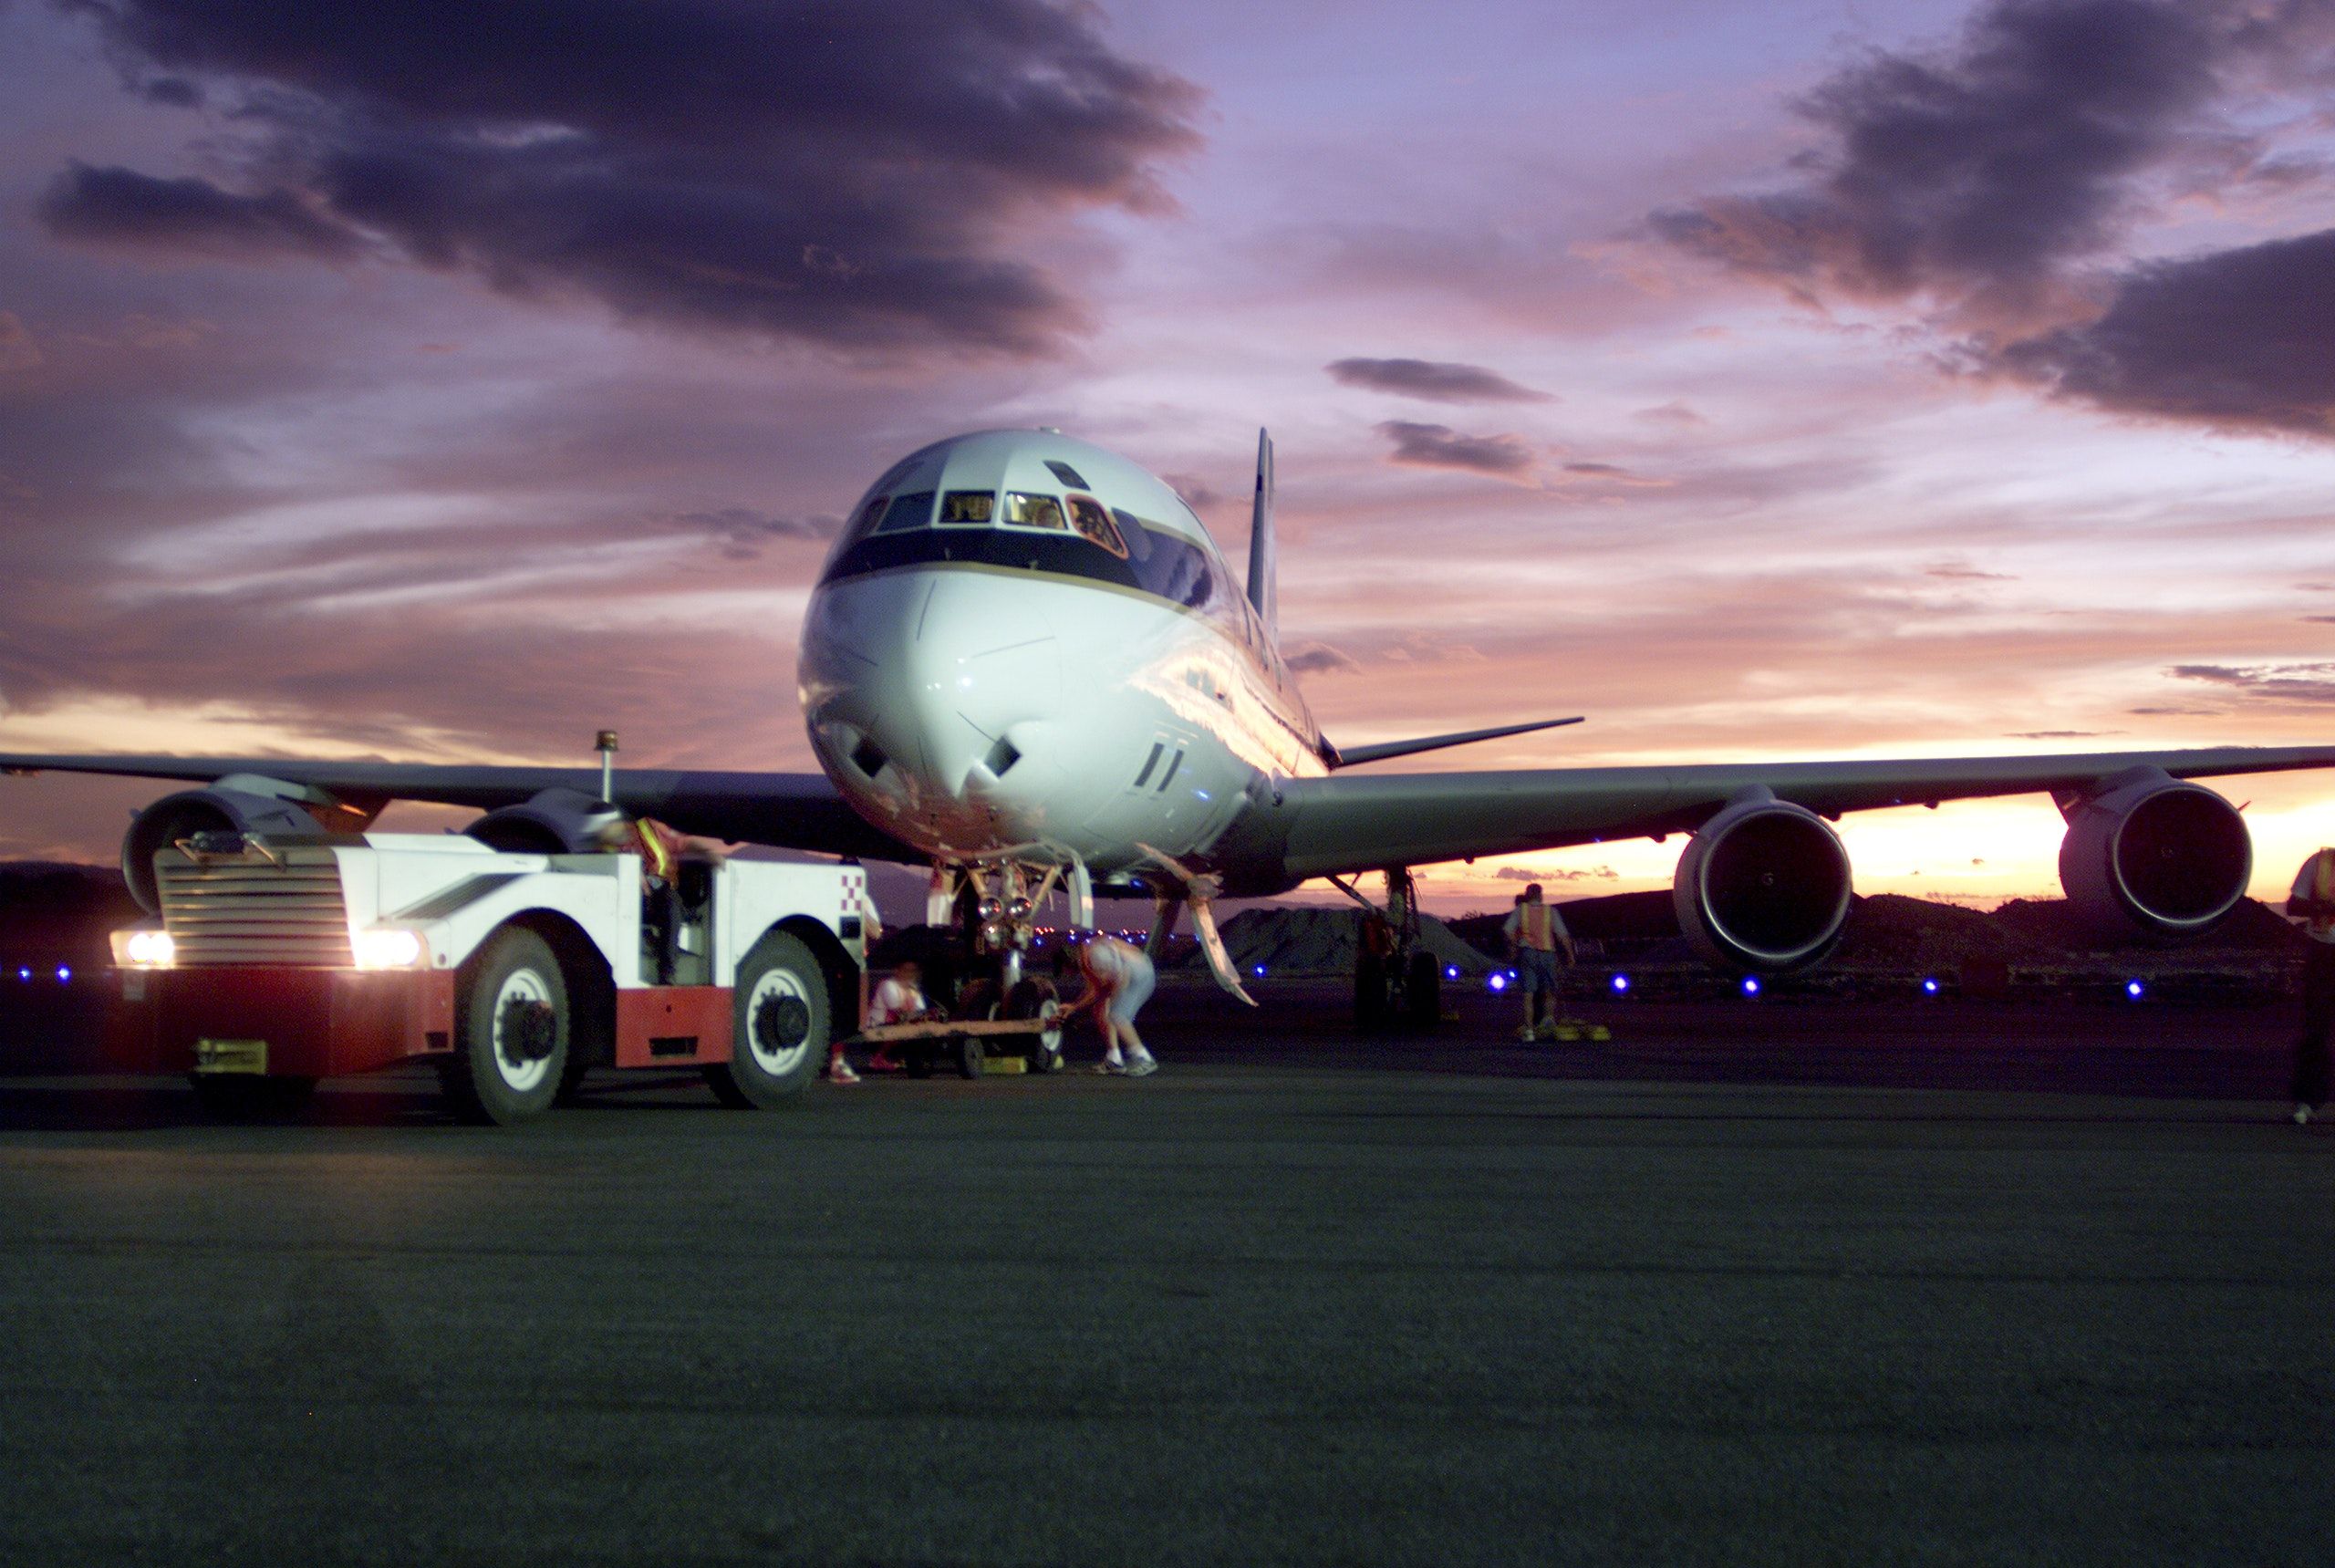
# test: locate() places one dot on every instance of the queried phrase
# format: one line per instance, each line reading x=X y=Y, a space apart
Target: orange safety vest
x=1533 y=927
x=657 y=852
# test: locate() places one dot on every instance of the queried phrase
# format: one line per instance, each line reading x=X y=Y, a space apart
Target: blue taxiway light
x=1498 y=982
x=23 y=975
x=64 y=975
x=1930 y=986
x=1260 y=972
x=1750 y=985
x=1621 y=982
x=1452 y=971
x=2135 y=990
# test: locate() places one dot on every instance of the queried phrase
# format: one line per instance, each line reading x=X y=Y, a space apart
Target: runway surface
x=1740 y=1287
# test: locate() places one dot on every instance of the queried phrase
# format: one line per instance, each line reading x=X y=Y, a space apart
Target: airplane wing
x=1358 y=821
x=787 y=811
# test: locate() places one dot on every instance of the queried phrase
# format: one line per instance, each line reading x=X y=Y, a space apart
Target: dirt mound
x=1308 y=941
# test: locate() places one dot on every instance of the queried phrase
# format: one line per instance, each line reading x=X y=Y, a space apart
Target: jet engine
x=2152 y=855
x=1763 y=885
x=237 y=804
x=551 y=822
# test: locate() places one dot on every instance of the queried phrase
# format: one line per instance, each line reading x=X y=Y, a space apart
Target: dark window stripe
x=1169 y=777
x=1149 y=763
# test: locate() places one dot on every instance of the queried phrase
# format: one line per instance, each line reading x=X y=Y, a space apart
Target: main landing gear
x=1397 y=982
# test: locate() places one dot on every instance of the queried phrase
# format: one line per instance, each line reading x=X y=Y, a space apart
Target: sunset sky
x=445 y=382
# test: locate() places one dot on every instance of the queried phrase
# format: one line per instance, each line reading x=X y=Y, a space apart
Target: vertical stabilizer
x=1260 y=541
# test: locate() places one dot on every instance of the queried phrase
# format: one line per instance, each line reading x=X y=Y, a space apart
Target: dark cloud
x=2309 y=684
x=2239 y=338
x=1972 y=174
x=1990 y=181
x=1955 y=571
x=1440 y=446
x=2320 y=619
x=121 y=206
x=2167 y=711
x=1673 y=413
x=858 y=176
x=2061 y=734
x=1320 y=658
x=1434 y=381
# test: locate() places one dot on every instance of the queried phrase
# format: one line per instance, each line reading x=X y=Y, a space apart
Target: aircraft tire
x=1036 y=998
x=779 y=1027
x=512 y=1022
x=971 y=1055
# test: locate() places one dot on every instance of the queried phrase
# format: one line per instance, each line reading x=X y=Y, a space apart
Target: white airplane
x=1027 y=666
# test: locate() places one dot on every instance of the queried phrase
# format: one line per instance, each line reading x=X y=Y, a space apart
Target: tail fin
x=1261 y=592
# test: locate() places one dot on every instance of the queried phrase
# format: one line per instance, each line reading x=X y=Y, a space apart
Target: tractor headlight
x=144 y=949
x=388 y=947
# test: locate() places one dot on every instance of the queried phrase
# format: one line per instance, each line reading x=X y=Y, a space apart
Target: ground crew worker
x=1119 y=978
x=661 y=852
x=1534 y=932
x=899 y=998
x=2313 y=899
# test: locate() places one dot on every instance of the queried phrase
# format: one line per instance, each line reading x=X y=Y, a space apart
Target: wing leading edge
x=1350 y=822
x=786 y=810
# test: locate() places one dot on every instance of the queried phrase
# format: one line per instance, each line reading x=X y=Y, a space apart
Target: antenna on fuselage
x=1261 y=542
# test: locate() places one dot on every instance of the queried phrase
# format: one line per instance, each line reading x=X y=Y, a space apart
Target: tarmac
x=1759 y=1284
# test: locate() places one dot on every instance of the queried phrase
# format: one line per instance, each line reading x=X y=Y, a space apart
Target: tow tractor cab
x=280 y=960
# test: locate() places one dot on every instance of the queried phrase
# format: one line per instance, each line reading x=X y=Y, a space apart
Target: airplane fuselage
x=1025 y=645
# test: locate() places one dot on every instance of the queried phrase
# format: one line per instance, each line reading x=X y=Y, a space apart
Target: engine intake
x=1764 y=886
x=552 y=822
x=219 y=809
x=2152 y=855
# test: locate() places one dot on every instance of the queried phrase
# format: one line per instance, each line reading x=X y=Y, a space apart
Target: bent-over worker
x=898 y=998
x=1119 y=979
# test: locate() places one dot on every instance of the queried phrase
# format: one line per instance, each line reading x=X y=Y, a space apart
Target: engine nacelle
x=2152 y=855
x=553 y=822
x=233 y=805
x=1764 y=886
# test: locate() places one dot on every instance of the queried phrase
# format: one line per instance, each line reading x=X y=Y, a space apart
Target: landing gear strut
x=1397 y=980
x=994 y=911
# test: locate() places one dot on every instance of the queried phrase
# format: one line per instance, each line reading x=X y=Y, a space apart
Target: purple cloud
x=1434 y=381
x=1440 y=446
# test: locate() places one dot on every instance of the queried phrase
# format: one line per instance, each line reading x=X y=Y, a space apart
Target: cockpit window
x=869 y=515
x=908 y=511
x=1026 y=511
x=967 y=508
x=1095 y=525
x=1067 y=474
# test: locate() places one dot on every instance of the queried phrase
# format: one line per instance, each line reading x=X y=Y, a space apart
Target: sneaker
x=839 y=1072
x=1527 y=1033
x=1109 y=1068
x=2302 y=1115
x=884 y=1062
x=1142 y=1067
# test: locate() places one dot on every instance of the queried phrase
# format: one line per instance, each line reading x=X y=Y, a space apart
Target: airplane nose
x=935 y=688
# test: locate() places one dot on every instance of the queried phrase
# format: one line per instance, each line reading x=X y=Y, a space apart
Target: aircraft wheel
x=244 y=1097
x=778 y=1026
x=971 y=1055
x=1036 y=998
x=511 y=1029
